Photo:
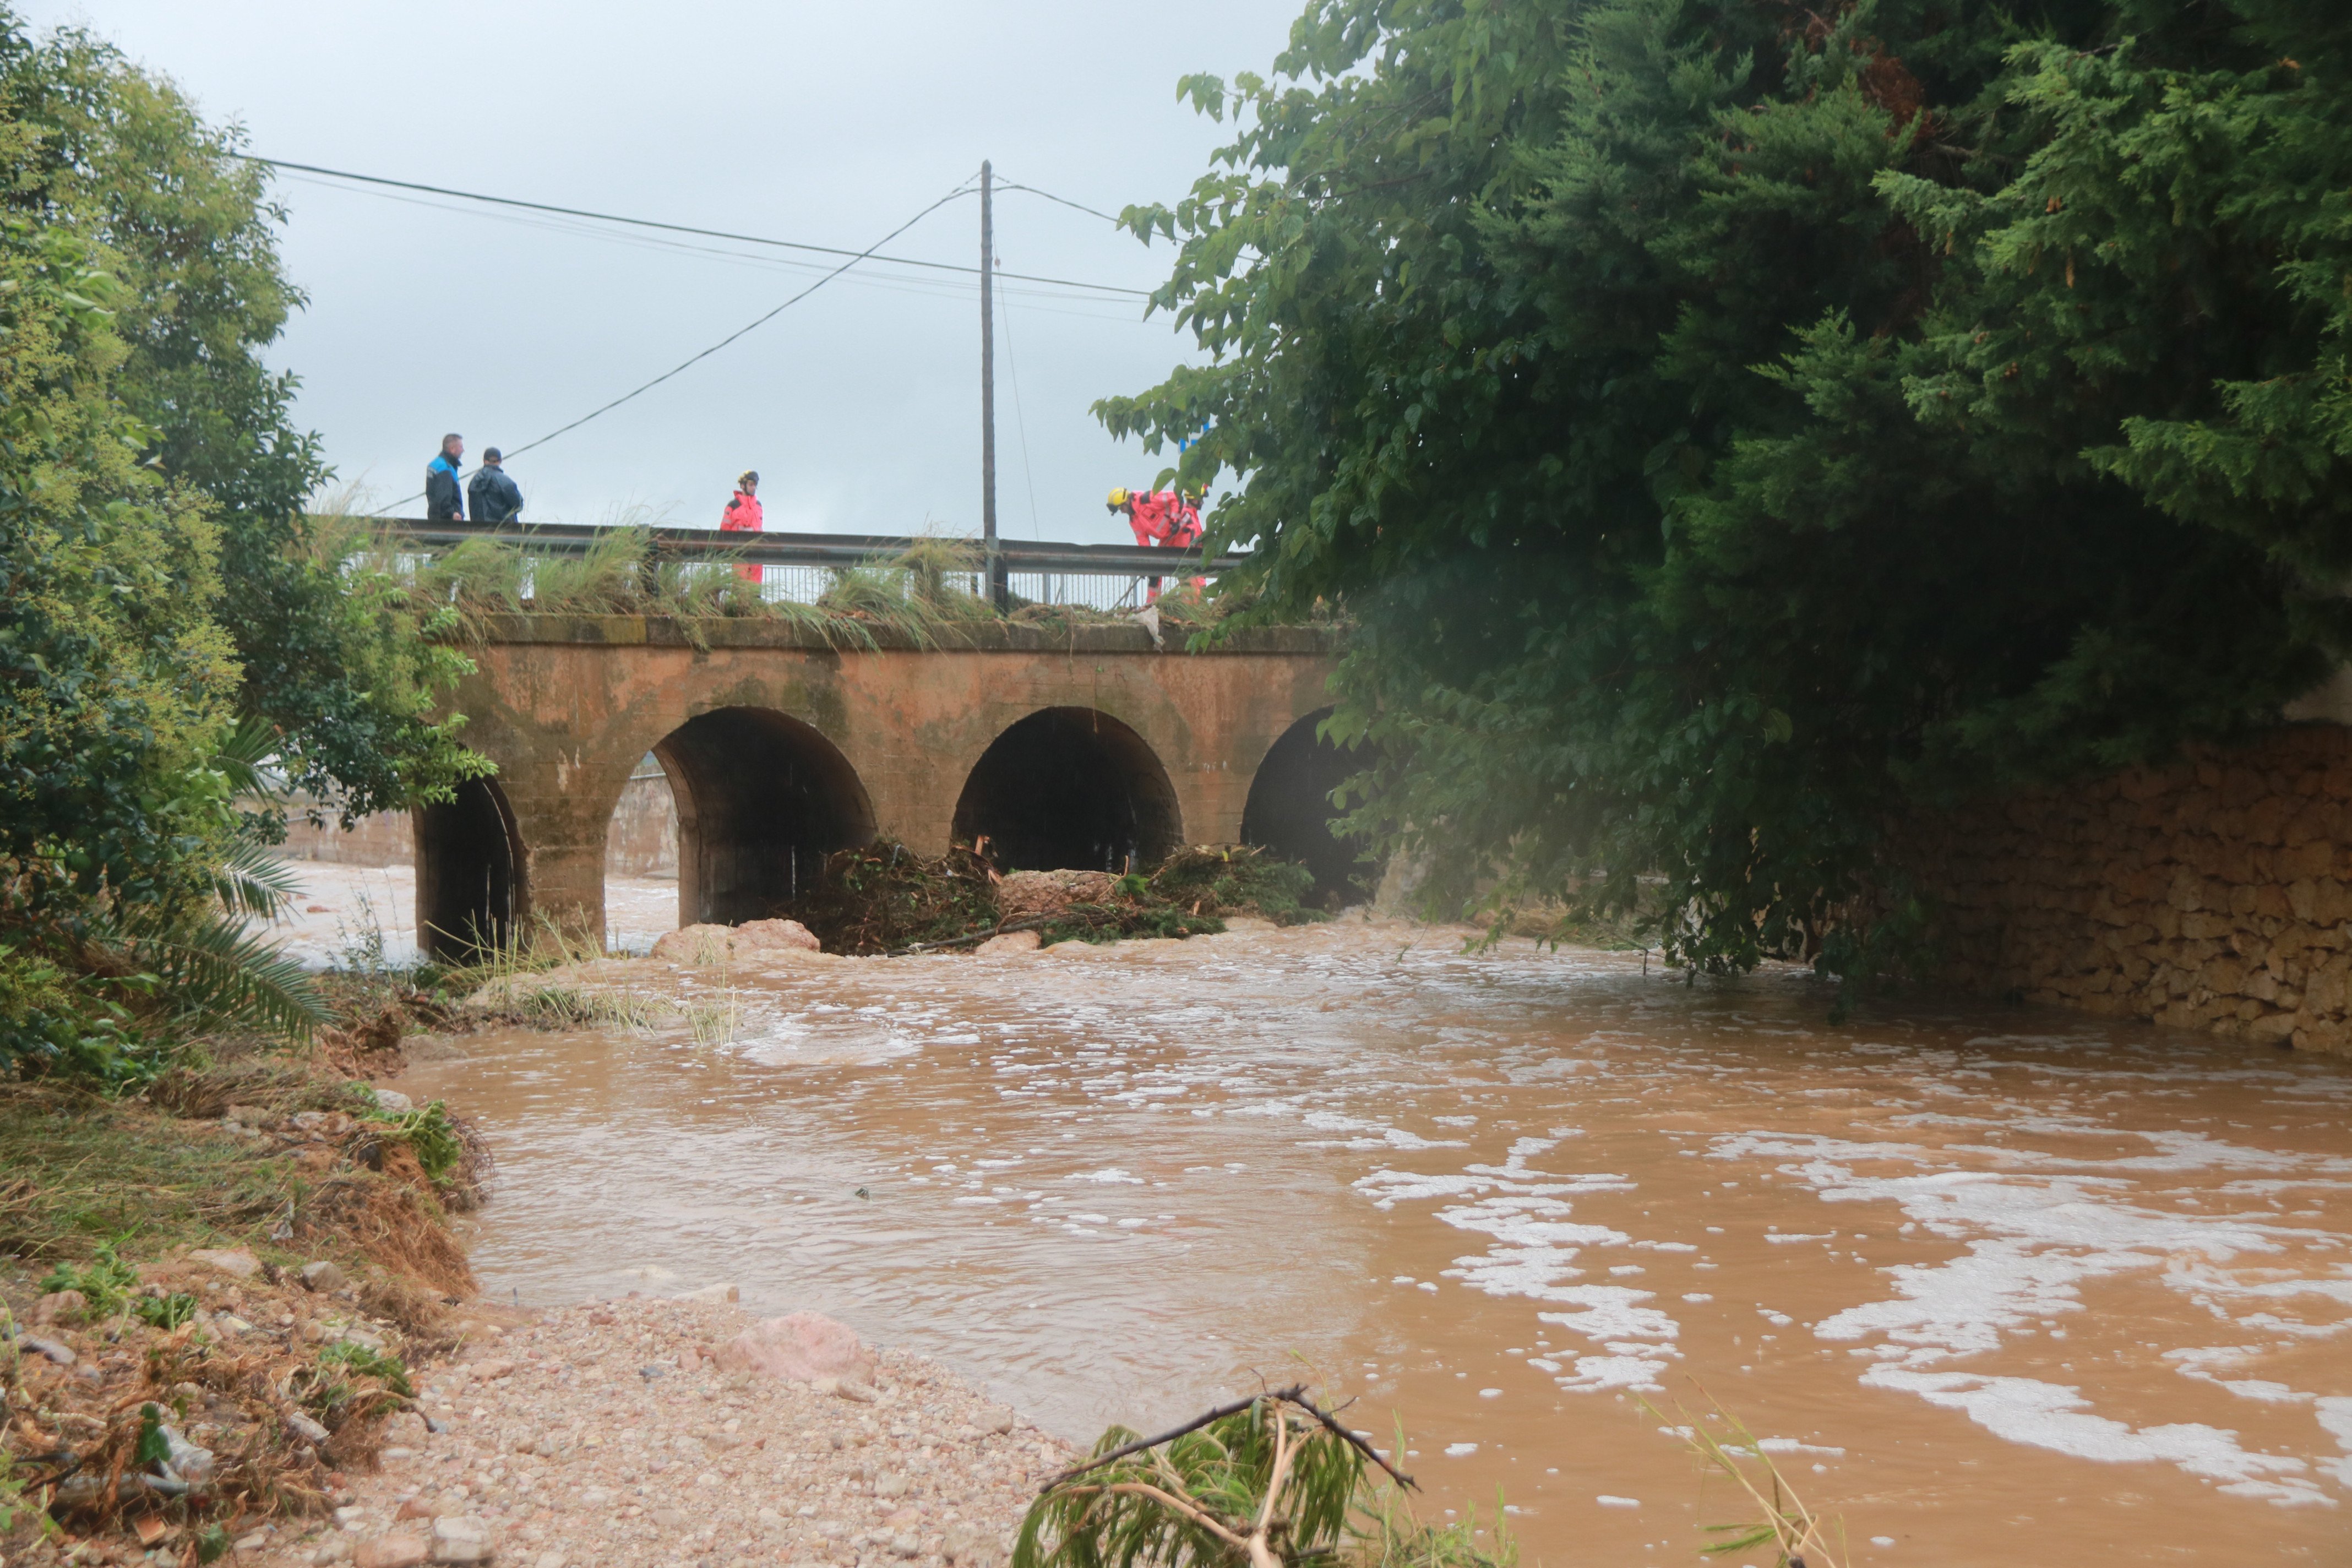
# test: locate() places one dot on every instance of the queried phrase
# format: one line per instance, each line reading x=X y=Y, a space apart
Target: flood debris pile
x=210 y=1298
x=884 y=898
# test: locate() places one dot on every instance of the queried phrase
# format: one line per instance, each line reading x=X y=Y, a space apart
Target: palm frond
x=218 y=972
x=252 y=881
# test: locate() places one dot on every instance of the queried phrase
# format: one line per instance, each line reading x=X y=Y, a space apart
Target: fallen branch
x=1294 y=1394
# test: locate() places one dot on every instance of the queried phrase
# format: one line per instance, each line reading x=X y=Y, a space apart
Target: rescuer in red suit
x=1160 y=519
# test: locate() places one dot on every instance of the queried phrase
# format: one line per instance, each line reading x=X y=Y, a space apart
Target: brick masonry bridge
x=1087 y=746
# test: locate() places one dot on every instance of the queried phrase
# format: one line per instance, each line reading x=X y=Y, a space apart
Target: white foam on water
x=2051 y=1416
x=2036 y=1230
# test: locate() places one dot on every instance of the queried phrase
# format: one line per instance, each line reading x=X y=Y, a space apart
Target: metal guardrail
x=800 y=567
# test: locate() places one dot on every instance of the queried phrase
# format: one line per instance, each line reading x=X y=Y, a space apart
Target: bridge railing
x=802 y=567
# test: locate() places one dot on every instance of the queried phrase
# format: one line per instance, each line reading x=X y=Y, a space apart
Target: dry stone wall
x=2212 y=894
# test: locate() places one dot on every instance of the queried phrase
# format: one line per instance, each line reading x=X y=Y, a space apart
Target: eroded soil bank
x=1999 y=1286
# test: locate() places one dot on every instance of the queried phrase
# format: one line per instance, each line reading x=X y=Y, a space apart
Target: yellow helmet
x=1118 y=500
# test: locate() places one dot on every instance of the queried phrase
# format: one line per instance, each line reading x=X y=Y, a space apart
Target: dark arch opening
x=1070 y=789
x=763 y=799
x=1289 y=810
x=469 y=887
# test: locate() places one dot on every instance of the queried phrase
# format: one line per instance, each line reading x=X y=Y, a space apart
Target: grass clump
x=79 y=1171
x=108 y=1289
x=429 y=1134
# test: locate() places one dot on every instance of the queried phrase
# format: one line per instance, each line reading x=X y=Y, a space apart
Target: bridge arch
x=1289 y=808
x=1070 y=788
x=469 y=873
x=763 y=799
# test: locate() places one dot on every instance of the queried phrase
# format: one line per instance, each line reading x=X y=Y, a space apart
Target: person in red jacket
x=1165 y=517
x=743 y=516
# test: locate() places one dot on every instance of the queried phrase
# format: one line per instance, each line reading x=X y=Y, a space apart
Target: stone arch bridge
x=1090 y=746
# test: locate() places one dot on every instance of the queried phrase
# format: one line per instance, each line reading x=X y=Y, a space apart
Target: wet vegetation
x=884 y=898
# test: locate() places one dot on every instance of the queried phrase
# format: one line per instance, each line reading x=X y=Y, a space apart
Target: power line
x=740 y=332
x=1090 y=212
x=684 y=228
x=927 y=285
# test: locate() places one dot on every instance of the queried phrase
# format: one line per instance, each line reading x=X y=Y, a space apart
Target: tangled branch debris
x=885 y=898
x=1274 y=1481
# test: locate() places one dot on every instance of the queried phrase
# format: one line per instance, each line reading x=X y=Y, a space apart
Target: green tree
x=1736 y=425
x=334 y=660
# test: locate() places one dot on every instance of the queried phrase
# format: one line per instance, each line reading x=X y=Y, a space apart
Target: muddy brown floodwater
x=1997 y=1286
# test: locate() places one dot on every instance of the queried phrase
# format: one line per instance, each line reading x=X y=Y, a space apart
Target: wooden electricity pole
x=994 y=562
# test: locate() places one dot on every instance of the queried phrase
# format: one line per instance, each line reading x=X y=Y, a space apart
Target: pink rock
x=699 y=944
x=1011 y=944
x=392 y=1552
x=801 y=1346
x=753 y=934
x=57 y=1304
x=238 y=1262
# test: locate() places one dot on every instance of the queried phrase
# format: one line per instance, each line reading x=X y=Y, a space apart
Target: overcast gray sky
x=831 y=125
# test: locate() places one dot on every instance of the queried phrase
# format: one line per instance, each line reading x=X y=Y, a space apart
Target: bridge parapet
x=1065 y=744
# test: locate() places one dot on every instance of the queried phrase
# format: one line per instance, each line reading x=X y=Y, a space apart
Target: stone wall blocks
x=2271 y=1026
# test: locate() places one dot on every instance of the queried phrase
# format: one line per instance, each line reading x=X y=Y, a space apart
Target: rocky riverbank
x=640 y=1432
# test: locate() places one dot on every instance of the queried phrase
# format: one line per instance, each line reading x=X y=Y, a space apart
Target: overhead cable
x=740 y=332
x=685 y=228
x=1090 y=212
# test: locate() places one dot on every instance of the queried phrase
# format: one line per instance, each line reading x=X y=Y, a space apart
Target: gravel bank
x=602 y=1434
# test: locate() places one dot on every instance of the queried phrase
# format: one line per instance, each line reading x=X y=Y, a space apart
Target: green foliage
x=386 y=1369
x=1237 y=879
x=1735 y=427
x=105 y=1281
x=428 y=1132
x=123 y=155
x=1197 y=1501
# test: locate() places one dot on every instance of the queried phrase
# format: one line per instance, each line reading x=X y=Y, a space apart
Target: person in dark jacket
x=495 y=497
x=444 y=502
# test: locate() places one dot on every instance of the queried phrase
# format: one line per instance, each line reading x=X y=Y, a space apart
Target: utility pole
x=993 y=562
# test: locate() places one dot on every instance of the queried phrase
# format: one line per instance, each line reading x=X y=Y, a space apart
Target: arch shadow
x=1070 y=789
x=762 y=799
x=469 y=885
x=1289 y=810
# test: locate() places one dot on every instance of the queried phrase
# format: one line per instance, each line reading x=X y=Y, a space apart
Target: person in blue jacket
x=444 y=502
x=495 y=497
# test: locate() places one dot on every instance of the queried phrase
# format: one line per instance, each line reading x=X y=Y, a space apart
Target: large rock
x=1025 y=895
x=1010 y=945
x=400 y=1551
x=801 y=1346
x=459 y=1539
x=236 y=1262
x=698 y=944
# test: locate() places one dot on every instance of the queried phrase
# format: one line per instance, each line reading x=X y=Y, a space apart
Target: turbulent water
x=1995 y=1287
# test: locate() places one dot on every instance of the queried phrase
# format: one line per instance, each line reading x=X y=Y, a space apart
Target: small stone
x=549 y=1560
x=235 y=1262
x=392 y=1552
x=714 y=1293
x=324 y=1277
x=414 y=1508
x=309 y=1431
x=457 y=1539
x=333 y=1549
x=669 y=1517
x=49 y=1348
x=394 y=1102
x=59 y=1304
x=905 y=1546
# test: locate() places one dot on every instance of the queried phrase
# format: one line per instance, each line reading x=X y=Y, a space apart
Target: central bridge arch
x=1070 y=788
x=763 y=799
